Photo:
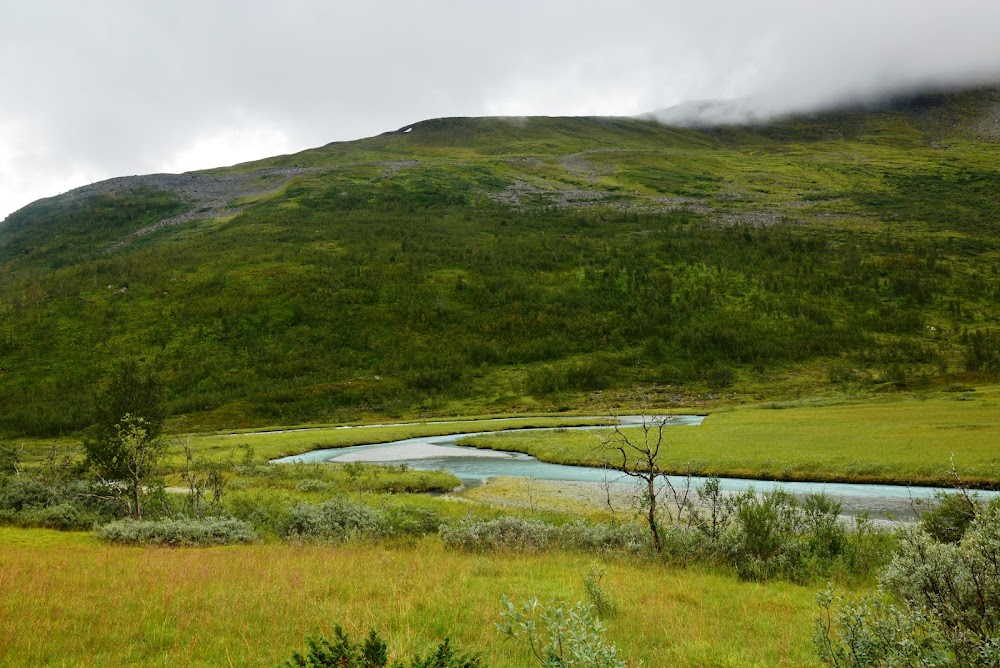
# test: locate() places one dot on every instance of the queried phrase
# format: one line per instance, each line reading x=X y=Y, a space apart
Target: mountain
x=484 y=265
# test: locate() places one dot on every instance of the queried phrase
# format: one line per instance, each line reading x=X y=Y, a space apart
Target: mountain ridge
x=491 y=265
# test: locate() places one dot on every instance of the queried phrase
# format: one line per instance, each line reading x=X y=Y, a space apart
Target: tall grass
x=67 y=601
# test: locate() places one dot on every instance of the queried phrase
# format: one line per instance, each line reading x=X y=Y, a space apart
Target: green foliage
x=559 y=635
x=372 y=652
x=938 y=605
x=660 y=255
x=178 y=532
x=340 y=519
x=773 y=535
x=50 y=494
x=982 y=351
x=600 y=598
x=949 y=516
x=721 y=376
x=131 y=399
x=131 y=456
x=9 y=458
x=337 y=520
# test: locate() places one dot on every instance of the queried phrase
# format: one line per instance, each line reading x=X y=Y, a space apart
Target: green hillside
x=485 y=265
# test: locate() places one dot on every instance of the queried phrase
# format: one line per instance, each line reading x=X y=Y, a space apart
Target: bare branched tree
x=638 y=454
x=606 y=486
x=193 y=477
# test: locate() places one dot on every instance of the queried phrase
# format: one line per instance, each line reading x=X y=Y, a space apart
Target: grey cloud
x=111 y=87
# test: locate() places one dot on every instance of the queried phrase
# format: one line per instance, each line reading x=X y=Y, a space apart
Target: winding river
x=475 y=466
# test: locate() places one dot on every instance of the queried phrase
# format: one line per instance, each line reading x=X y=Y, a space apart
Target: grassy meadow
x=68 y=600
x=902 y=441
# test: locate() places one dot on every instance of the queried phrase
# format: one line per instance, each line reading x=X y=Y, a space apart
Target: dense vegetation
x=491 y=265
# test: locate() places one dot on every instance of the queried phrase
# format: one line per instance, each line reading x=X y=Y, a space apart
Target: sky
x=104 y=88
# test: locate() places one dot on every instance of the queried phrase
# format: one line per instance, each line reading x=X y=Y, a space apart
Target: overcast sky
x=91 y=90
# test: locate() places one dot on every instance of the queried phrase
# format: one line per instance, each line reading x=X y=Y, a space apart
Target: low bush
x=372 y=652
x=772 y=535
x=267 y=513
x=600 y=598
x=62 y=516
x=868 y=549
x=313 y=485
x=949 y=516
x=591 y=537
x=524 y=535
x=938 y=604
x=410 y=520
x=178 y=532
x=338 y=519
x=502 y=533
x=341 y=519
x=559 y=635
x=64 y=505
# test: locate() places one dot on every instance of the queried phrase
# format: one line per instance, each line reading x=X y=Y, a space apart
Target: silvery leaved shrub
x=178 y=532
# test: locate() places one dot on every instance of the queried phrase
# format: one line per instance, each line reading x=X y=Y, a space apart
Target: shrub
x=313 y=485
x=823 y=530
x=591 y=537
x=182 y=532
x=337 y=519
x=502 y=533
x=560 y=636
x=17 y=494
x=868 y=548
x=763 y=542
x=267 y=513
x=600 y=598
x=524 y=535
x=63 y=516
x=721 y=377
x=773 y=536
x=938 y=604
x=61 y=505
x=342 y=652
x=949 y=516
x=410 y=520
x=9 y=459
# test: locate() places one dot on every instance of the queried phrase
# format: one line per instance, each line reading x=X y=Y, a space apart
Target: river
x=475 y=466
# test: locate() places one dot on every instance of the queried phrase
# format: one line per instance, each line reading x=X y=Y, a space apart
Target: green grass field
x=906 y=441
x=66 y=600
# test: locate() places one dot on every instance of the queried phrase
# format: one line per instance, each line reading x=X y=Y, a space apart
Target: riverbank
x=909 y=442
x=621 y=502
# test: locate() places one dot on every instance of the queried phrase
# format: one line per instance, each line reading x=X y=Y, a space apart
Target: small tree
x=202 y=476
x=130 y=389
x=126 y=444
x=139 y=453
x=638 y=456
x=9 y=459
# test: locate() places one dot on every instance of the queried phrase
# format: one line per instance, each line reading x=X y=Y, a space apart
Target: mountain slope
x=499 y=264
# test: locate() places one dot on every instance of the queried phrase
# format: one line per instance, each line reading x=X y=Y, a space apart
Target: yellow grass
x=67 y=601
